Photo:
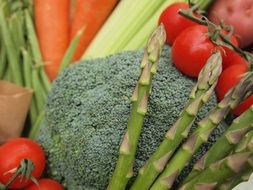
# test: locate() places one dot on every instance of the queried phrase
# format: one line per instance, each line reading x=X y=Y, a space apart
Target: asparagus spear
x=245 y=143
x=200 y=94
x=123 y=171
x=215 y=174
x=234 y=181
x=226 y=143
x=237 y=164
x=203 y=131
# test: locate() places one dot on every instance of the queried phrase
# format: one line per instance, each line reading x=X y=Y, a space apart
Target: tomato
x=234 y=59
x=12 y=152
x=191 y=50
x=228 y=79
x=243 y=106
x=237 y=13
x=46 y=184
x=173 y=22
x=227 y=53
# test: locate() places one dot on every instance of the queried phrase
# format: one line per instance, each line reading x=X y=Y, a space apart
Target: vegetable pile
x=167 y=162
x=187 y=125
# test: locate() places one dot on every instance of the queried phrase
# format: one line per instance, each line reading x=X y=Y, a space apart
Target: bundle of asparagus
x=226 y=164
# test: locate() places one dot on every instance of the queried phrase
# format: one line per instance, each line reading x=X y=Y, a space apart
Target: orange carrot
x=52 y=25
x=89 y=14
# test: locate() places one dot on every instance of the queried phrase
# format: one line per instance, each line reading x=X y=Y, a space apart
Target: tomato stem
x=24 y=170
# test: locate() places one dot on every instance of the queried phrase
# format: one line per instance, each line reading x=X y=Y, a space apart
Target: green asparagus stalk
x=216 y=174
x=124 y=168
x=33 y=41
x=27 y=70
x=12 y=54
x=70 y=51
x=200 y=94
x=226 y=143
x=16 y=23
x=3 y=60
x=219 y=171
x=245 y=144
x=202 y=132
x=234 y=181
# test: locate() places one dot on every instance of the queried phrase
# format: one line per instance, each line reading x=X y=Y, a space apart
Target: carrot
x=90 y=14
x=52 y=25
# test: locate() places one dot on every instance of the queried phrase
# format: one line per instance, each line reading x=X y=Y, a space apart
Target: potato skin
x=239 y=14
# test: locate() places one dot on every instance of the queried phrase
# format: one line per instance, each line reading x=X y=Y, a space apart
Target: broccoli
x=87 y=113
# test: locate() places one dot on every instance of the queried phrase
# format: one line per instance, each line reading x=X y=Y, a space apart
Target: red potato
x=238 y=13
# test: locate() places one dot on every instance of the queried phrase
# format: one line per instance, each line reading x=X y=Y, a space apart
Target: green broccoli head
x=87 y=113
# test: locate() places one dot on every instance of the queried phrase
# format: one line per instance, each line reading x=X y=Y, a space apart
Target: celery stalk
x=134 y=27
x=116 y=17
x=128 y=17
x=139 y=39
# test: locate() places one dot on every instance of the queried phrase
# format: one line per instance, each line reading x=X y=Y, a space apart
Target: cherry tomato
x=228 y=54
x=228 y=79
x=12 y=152
x=46 y=184
x=173 y=22
x=234 y=59
x=243 y=106
x=191 y=50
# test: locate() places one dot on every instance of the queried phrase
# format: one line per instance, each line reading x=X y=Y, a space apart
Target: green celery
x=140 y=38
x=117 y=32
x=12 y=54
x=33 y=41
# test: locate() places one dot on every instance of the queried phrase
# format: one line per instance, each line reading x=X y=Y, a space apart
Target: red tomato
x=234 y=59
x=173 y=22
x=191 y=50
x=227 y=53
x=46 y=184
x=243 y=106
x=228 y=79
x=12 y=152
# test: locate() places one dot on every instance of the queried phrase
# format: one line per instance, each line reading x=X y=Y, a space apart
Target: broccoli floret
x=87 y=113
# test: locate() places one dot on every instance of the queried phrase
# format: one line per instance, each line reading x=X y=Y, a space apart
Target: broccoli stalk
x=124 y=168
x=202 y=133
x=239 y=163
x=226 y=143
x=200 y=94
